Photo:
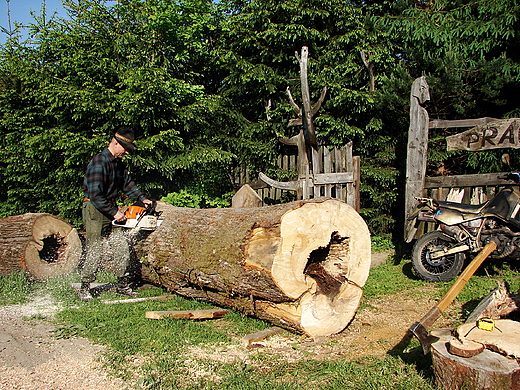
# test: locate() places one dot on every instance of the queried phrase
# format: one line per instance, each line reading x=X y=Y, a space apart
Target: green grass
x=186 y=354
x=15 y=288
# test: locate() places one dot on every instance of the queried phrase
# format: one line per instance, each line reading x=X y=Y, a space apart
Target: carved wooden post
x=306 y=139
x=417 y=144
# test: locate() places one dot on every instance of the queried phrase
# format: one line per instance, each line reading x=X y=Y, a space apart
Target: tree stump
x=298 y=265
x=486 y=371
x=39 y=244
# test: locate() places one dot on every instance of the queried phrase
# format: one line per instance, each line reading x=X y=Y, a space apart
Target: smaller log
x=187 y=314
x=38 y=244
x=136 y=300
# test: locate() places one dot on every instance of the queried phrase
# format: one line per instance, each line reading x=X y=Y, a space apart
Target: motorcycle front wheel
x=441 y=269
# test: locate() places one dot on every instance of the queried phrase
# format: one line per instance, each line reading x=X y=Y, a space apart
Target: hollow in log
x=298 y=265
x=38 y=244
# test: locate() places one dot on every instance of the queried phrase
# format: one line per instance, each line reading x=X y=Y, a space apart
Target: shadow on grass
x=410 y=351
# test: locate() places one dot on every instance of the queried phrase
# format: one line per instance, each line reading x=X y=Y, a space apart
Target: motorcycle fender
x=449 y=217
x=451 y=251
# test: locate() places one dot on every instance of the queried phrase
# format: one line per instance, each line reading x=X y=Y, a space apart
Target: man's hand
x=147 y=202
x=119 y=217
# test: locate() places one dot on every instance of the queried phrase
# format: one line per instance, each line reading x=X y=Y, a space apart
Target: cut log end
x=324 y=260
x=41 y=245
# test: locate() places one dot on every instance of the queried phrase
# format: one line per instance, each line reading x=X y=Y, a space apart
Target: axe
x=420 y=329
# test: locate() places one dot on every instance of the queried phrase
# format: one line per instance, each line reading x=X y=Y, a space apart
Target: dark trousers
x=102 y=242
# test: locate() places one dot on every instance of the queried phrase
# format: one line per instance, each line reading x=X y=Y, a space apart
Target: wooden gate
x=335 y=174
x=483 y=134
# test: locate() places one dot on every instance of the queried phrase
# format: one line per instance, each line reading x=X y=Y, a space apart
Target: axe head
x=424 y=337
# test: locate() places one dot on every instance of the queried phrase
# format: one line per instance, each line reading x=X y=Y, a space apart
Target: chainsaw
x=140 y=218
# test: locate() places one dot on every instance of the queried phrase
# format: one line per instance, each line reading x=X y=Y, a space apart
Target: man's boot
x=84 y=292
x=123 y=288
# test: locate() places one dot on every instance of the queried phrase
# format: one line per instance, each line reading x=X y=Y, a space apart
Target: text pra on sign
x=504 y=133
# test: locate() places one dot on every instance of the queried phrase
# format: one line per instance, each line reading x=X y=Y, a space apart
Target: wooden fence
x=336 y=174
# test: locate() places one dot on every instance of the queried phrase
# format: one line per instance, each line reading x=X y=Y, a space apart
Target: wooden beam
x=483 y=179
x=442 y=123
x=187 y=314
x=333 y=178
x=136 y=300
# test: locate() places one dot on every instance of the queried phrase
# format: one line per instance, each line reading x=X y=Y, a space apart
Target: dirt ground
x=31 y=357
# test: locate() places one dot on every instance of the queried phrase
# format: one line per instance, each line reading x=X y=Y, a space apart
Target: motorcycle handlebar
x=514 y=176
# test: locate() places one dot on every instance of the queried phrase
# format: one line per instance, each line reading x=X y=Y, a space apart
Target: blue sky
x=21 y=10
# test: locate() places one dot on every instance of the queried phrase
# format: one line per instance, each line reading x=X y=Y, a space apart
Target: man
x=105 y=177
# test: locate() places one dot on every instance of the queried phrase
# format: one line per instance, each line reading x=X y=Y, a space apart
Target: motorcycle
x=464 y=229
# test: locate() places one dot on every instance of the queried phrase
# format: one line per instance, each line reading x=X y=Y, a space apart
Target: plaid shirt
x=104 y=178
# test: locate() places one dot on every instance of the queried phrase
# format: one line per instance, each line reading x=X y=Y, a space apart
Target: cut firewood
x=250 y=339
x=298 y=265
x=38 y=244
x=187 y=314
x=504 y=337
x=464 y=348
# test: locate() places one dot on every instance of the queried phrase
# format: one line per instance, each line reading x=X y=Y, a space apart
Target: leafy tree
x=74 y=81
x=258 y=46
x=469 y=51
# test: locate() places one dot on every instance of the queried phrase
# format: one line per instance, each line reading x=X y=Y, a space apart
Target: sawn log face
x=299 y=265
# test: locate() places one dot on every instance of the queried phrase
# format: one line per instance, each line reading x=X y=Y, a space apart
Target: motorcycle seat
x=462 y=207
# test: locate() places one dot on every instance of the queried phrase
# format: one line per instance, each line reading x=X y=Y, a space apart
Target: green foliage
x=185 y=199
x=194 y=78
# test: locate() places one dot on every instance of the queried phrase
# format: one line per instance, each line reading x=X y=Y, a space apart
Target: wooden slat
x=333 y=178
x=327 y=168
x=259 y=336
x=483 y=179
x=187 y=314
x=441 y=123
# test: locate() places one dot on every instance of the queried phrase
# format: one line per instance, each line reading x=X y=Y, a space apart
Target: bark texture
x=299 y=265
x=39 y=244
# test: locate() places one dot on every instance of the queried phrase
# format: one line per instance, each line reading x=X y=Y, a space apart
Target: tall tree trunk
x=299 y=265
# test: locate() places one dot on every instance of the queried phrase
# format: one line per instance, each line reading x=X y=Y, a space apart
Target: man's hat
x=125 y=136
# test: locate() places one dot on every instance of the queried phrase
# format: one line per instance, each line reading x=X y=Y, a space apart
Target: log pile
x=298 y=265
x=38 y=244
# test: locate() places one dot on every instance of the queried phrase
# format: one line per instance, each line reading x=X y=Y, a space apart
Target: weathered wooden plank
x=327 y=168
x=417 y=147
x=333 y=178
x=187 y=314
x=259 y=336
x=445 y=124
x=142 y=299
x=477 y=180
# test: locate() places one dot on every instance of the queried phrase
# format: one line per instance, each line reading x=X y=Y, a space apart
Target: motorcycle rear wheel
x=442 y=269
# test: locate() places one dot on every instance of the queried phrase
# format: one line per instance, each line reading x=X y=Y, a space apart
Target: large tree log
x=39 y=244
x=299 y=265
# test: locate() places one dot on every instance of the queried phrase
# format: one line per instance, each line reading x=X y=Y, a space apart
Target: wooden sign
x=504 y=133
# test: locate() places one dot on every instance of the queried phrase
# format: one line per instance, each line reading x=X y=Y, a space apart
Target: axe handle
x=455 y=289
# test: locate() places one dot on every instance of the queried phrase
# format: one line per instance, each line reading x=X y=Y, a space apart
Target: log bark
x=38 y=244
x=298 y=265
